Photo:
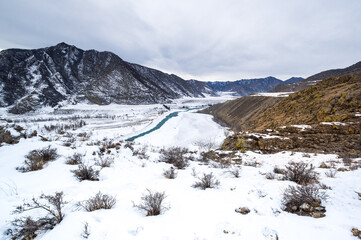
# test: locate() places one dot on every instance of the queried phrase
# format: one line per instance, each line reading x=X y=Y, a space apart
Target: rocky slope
x=48 y=76
x=323 y=118
x=239 y=114
x=334 y=99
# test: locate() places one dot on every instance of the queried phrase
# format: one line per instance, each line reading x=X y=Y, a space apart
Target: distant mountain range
x=312 y=80
x=63 y=73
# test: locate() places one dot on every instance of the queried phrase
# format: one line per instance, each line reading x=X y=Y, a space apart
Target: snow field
x=192 y=213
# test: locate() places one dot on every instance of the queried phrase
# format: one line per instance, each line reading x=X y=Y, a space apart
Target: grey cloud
x=205 y=39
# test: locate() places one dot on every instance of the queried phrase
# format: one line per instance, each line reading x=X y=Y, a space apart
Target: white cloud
x=205 y=39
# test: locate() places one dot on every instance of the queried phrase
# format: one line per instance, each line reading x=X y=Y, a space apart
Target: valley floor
x=192 y=213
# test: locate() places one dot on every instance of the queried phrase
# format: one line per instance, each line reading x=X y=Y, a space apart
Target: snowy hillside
x=63 y=73
x=246 y=179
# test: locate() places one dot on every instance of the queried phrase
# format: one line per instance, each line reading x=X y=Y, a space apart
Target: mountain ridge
x=48 y=76
x=60 y=74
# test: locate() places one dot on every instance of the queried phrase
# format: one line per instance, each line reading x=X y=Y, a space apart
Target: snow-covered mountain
x=245 y=87
x=48 y=76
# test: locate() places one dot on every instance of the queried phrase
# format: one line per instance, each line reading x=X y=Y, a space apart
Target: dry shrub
x=346 y=159
x=235 y=171
x=270 y=176
x=278 y=170
x=206 y=181
x=294 y=197
x=36 y=159
x=252 y=164
x=171 y=173
x=28 y=228
x=152 y=203
x=86 y=232
x=129 y=145
x=85 y=172
x=61 y=128
x=208 y=156
x=306 y=155
x=76 y=159
x=104 y=161
x=141 y=153
x=99 y=201
x=175 y=156
x=331 y=173
x=301 y=173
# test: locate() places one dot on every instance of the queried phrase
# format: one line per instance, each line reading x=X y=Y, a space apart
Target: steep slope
x=245 y=87
x=298 y=86
x=323 y=118
x=240 y=113
x=332 y=99
x=47 y=76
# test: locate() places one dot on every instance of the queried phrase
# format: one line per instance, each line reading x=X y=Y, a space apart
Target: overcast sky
x=201 y=39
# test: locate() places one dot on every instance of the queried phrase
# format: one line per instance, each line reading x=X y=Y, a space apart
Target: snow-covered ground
x=192 y=213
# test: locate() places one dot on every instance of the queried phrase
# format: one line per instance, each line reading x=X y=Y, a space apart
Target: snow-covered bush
x=28 y=228
x=36 y=159
x=301 y=173
x=304 y=200
x=175 y=156
x=152 y=203
x=206 y=181
x=86 y=233
x=171 y=173
x=235 y=171
x=331 y=173
x=208 y=156
x=85 y=172
x=278 y=170
x=99 y=201
x=76 y=159
x=104 y=161
x=141 y=153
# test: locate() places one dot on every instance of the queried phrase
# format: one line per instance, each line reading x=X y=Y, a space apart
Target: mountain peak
x=63 y=44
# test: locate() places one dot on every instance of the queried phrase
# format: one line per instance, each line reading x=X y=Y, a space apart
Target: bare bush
x=175 y=156
x=205 y=145
x=141 y=153
x=99 y=201
x=278 y=170
x=331 y=173
x=301 y=173
x=84 y=136
x=235 y=171
x=129 y=145
x=306 y=155
x=36 y=159
x=76 y=159
x=104 y=161
x=85 y=172
x=61 y=128
x=171 y=173
x=206 y=181
x=208 y=156
x=86 y=233
x=69 y=141
x=270 y=176
x=28 y=228
x=346 y=159
x=296 y=198
x=252 y=164
x=152 y=203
